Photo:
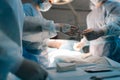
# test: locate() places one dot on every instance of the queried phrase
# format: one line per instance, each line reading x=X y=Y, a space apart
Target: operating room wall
x=63 y=13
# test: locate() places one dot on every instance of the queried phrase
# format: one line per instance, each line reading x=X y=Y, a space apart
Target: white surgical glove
x=78 y=46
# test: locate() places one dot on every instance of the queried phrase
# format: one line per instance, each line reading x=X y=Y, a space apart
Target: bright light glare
x=61 y=2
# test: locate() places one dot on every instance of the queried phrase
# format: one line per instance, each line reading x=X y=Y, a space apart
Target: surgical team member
x=11 y=60
x=103 y=29
x=34 y=45
x=32 y=48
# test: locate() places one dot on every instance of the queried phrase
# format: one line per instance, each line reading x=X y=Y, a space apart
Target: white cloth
x=63 y=55
x=11 y=22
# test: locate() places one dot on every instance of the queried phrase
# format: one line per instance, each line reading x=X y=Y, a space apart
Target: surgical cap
x=97 y=1
x=38 y=1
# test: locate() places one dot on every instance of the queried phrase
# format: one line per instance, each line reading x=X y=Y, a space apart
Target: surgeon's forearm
x=32 y=24
x=54 y=43
x=92 y=35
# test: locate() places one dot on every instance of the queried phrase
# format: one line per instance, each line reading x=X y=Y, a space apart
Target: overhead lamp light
x=61 y=2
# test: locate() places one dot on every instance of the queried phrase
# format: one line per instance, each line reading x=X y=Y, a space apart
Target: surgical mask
x=45 y=6
x=96 y=1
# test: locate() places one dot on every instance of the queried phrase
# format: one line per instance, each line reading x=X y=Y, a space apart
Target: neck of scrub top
x=100 y=3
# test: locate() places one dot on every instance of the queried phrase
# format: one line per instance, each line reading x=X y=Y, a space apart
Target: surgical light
x=61 y=2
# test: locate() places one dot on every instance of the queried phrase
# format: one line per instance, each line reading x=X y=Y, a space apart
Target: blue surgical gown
x=11 y=22
x=33 y=43
x=106 y=18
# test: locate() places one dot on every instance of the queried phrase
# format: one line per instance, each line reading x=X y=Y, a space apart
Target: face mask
x=94 y=1
x=45 y=6
x=97 y=1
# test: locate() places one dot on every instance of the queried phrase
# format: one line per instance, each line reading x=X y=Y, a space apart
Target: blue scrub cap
x=96 y=1
x=38 y=1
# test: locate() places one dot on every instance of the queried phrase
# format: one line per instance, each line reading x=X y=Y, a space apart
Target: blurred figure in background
x=34 y=41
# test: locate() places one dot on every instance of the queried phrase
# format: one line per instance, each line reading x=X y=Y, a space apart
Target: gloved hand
x=66 y=28
x=72 y=31
x=91 y=34
x=78 y=46
x=31 y=71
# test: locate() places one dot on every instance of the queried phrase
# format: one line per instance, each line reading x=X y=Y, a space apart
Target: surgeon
x=103 y=29
x=36 y=41
x=11 y=60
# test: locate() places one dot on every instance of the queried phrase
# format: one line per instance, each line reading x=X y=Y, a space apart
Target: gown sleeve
x=11 y=22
